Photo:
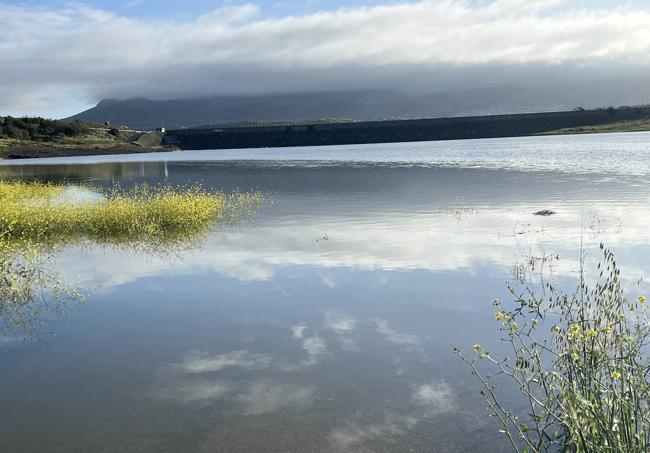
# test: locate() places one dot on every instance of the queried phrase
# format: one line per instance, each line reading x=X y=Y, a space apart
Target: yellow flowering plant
x=587 y=381
x=37 y=219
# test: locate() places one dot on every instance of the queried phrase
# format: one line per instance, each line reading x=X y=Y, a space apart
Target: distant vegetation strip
x=40 y=137
x=621 y=126
x=40 y=129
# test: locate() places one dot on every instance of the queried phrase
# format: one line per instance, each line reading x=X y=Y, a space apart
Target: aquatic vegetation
x=30 y=292
x=580 y=360
x=41 y=213
x=37 y=219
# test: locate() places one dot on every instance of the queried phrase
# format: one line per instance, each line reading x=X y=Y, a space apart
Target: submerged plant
x=30 y=292
x=580 y=360
x=37 y=219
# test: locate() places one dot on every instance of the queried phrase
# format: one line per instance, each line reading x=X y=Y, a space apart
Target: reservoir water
x=326 y=321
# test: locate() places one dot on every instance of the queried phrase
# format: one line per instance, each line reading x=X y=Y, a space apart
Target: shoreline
x=35 y=151
x=625 y=120
x=44 y=152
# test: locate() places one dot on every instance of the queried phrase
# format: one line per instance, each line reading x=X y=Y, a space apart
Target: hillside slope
x=39 y=137
x=363 y=105
x=357 y=105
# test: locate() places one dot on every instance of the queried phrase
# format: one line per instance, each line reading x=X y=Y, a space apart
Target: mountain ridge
x=142 y=113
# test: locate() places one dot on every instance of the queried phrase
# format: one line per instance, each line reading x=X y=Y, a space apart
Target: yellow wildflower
x=574 y=333
x=575 y=355
x=477 y=347
x=592 y=333
x=500 y=315
x=616 y=375
x=608 y=329
x=642 y=299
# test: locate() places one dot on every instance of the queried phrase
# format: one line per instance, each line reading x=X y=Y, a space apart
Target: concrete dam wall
x=319 y=134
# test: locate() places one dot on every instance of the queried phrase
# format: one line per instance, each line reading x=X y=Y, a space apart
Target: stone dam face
x=320 y=134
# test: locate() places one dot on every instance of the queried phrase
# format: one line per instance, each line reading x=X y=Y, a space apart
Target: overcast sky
x=57 y=58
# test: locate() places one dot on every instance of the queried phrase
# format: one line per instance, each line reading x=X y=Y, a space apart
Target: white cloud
x=393 y=241
x=298 y=331
x=196 y=380
x=435 y=398
x=201 y=362
x=428 y=400
x=196 y=391
x=354 y=435
x=316 y=349
x=80 y=50
x=266 y=396
x=339 y=322
x=313 y=345
x=344 y=327
x=395 y=337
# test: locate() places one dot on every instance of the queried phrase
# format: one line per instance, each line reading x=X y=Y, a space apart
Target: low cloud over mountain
x=78 y=55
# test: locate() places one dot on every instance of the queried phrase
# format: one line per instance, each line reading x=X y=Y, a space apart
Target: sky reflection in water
x=325 y=323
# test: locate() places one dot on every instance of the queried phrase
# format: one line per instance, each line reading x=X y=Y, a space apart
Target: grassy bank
x=39 y=137
x=621 y=126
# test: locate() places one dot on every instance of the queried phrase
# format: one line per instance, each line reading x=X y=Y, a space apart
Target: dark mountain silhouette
x=360 y=105
x=364 y=105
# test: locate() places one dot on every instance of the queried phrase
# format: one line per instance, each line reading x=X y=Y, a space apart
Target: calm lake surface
x=325 y=323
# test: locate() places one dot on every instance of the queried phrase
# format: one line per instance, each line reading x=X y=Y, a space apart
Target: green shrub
x=11 y=131
x=28 y=128
x=73 y=128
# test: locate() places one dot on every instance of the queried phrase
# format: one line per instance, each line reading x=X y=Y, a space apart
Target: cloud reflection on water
x=264 y=396
x=258 y=383
x=394 y=337
x=354 y=435
x=457 y=212
x=268 y=329
x=495 y=238
x=196 y=362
